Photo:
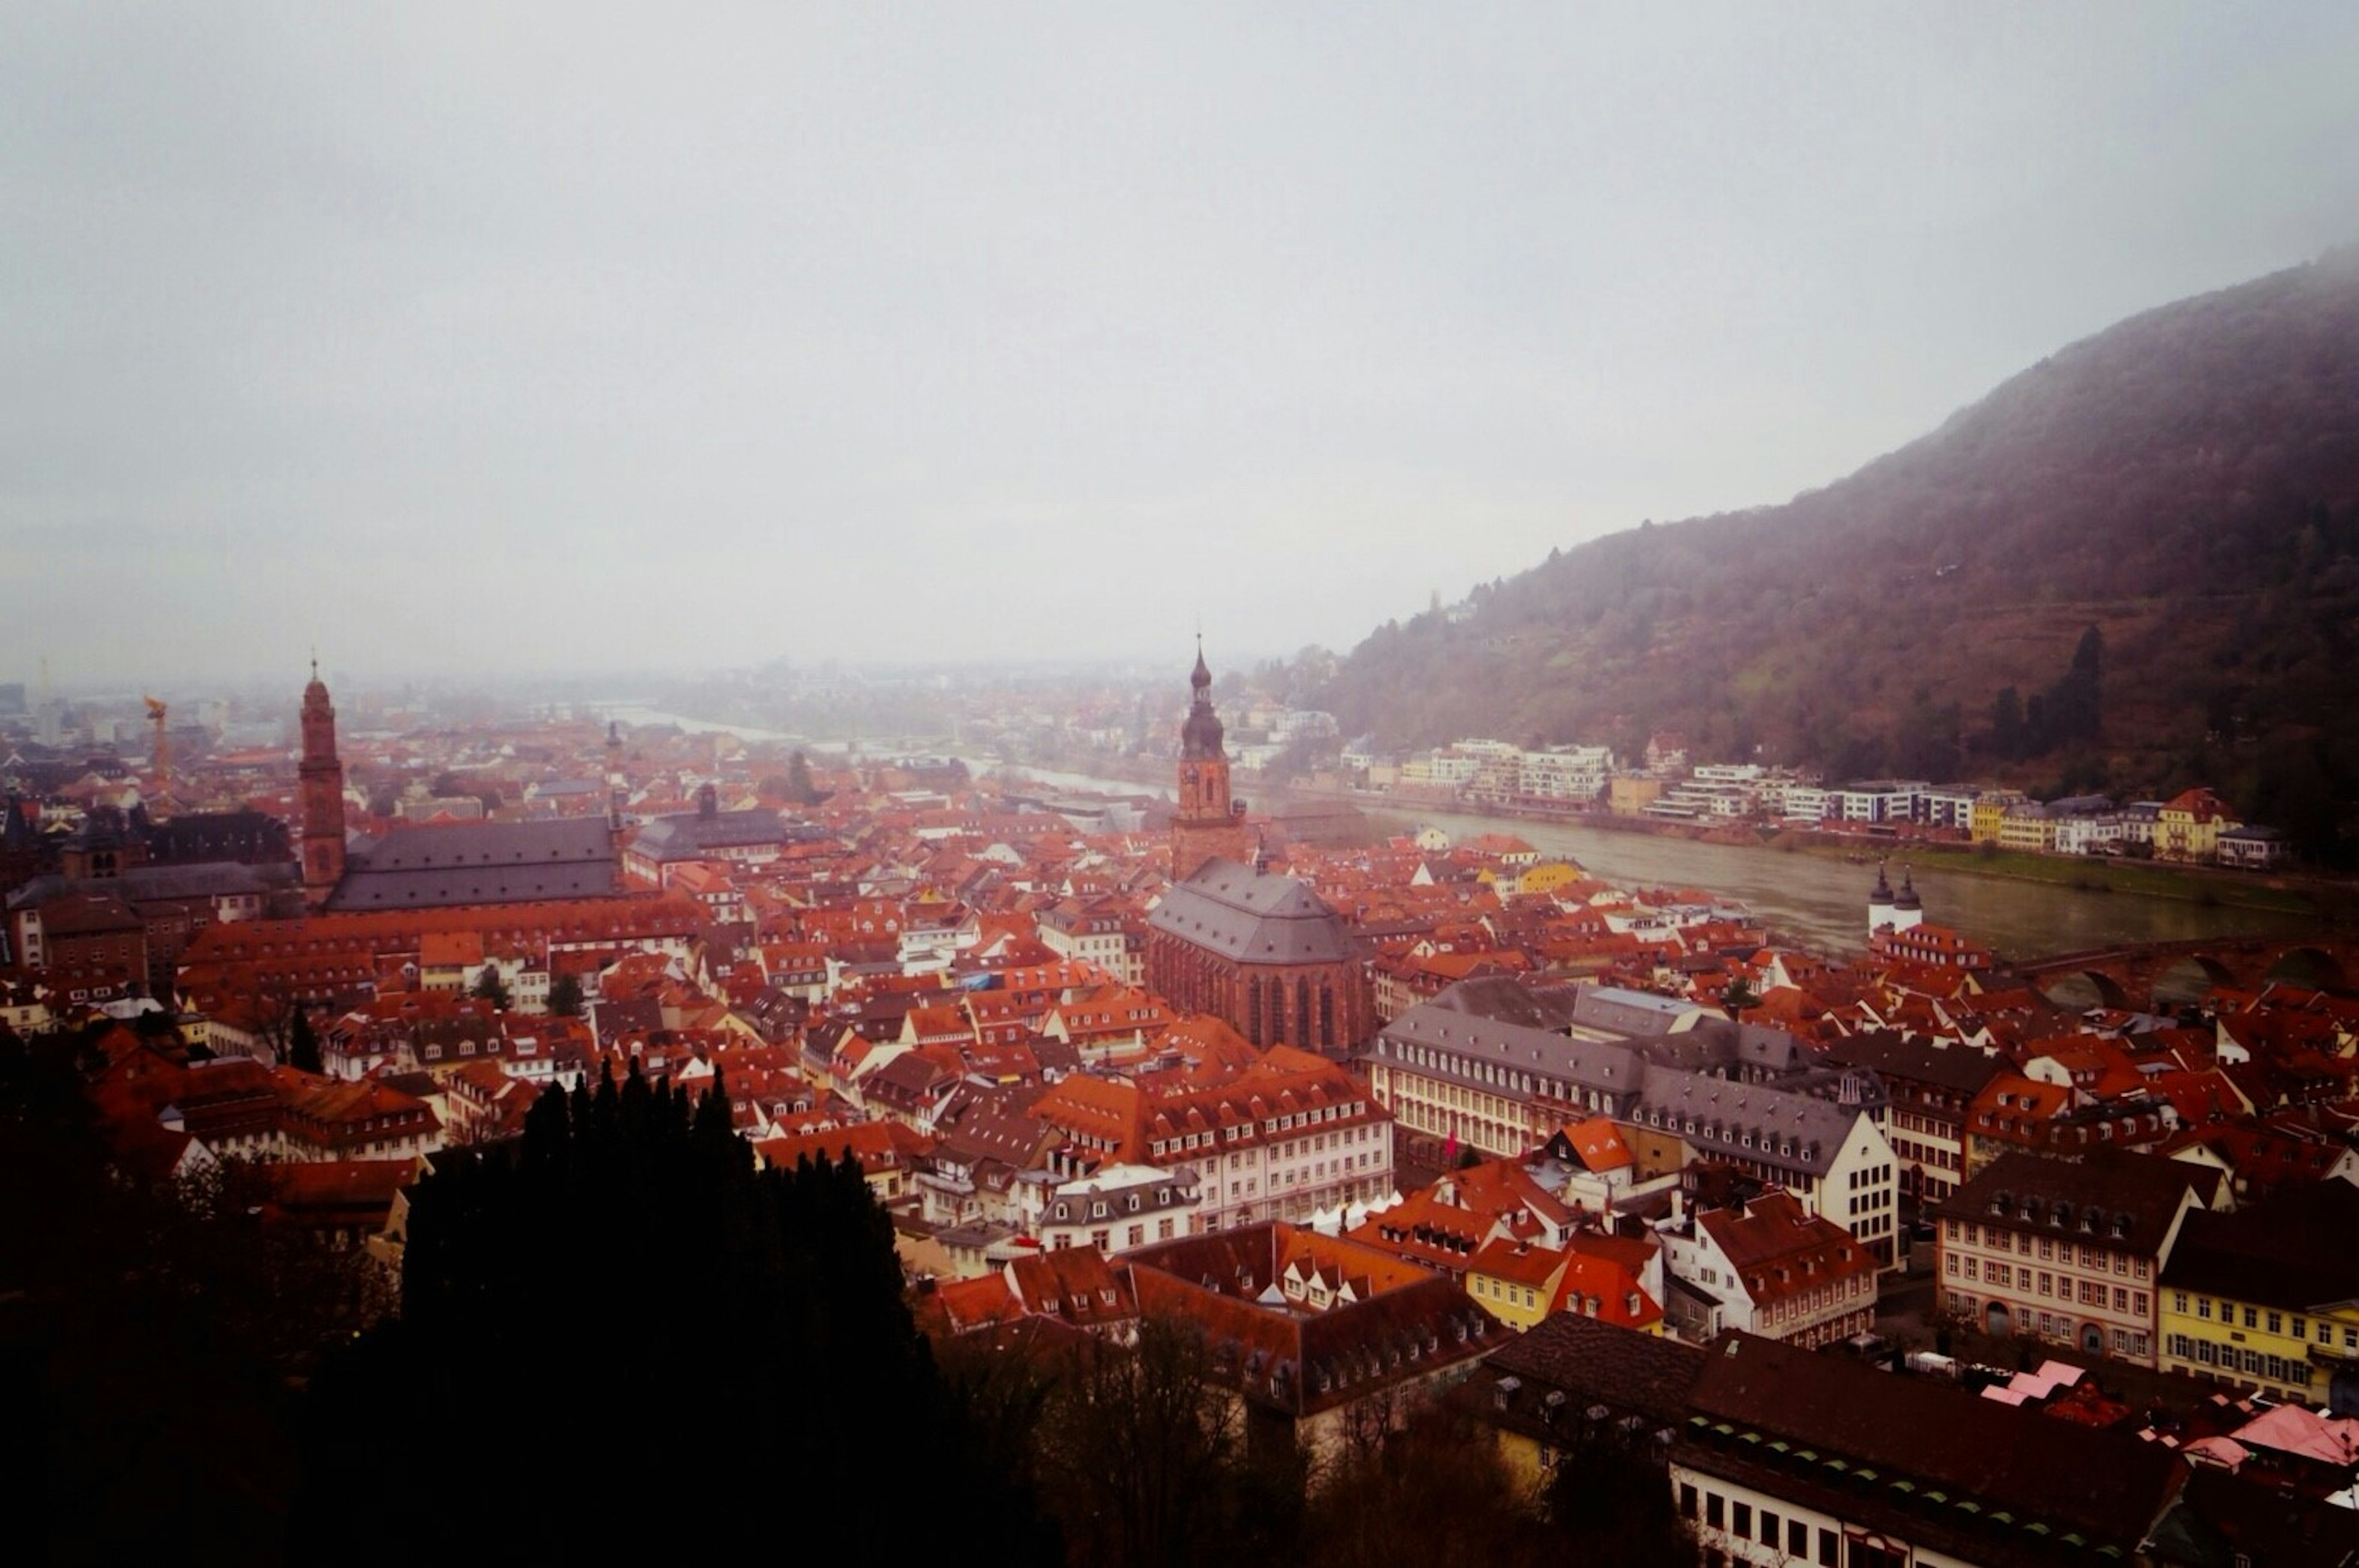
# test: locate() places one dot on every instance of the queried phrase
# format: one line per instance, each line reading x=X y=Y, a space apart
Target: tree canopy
x=681 y=1348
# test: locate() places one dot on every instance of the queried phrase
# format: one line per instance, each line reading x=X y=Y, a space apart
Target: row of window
x=2096 y=1257
x=1791 y=1536
x=1270 y=1125
x=1925 y=1155
x=2255 y=1316
x=2089 y=1292
x=2131 y=1344
x=2289 y=1370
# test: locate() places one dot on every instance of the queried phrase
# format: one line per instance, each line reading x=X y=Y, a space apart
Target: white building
x=1119 y=1208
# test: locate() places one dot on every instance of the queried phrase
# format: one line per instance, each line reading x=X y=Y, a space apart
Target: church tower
x=323 y=778
x=1207 y=821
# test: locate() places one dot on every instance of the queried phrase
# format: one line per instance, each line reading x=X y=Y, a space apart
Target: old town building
x=1265 y=954
x=2069 y=1251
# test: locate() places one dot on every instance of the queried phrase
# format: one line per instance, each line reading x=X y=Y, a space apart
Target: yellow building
x=1521 y=1284
x=2026 y=826
x=1990 y=813
x=1548 y=876
x=1629 y=794
x=2267 y=1297
x=2188 y=825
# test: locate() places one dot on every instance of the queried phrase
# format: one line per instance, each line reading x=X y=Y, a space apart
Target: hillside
x=2186 y=481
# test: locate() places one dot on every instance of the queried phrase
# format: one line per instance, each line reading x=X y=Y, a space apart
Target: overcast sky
x=471 y=337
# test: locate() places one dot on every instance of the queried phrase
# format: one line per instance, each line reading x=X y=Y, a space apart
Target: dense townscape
x=1880 y=1260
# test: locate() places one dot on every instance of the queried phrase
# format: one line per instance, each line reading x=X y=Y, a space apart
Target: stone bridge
x=2125 y=976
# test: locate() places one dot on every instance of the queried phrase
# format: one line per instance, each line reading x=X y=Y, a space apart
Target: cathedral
x=441 y=866
x=1263 y=952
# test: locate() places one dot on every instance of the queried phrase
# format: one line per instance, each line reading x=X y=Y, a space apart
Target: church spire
x=1206 y=821
x=322 y=784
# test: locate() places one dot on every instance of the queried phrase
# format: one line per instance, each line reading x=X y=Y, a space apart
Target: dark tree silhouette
x=644 y=1295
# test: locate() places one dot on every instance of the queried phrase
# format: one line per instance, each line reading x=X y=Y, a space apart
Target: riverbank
x=2331 y=900
x=2327 y=899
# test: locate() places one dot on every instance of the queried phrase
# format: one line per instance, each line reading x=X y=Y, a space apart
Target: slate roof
x=1507 y=1000
x=1790 y=1132
x=2129 y=1198
x=1466 y=1042
x=2108 y=1488
x=1628 y=1011
x=1964 y=1069
x=1594 y=1362
x=1252 y=916
x=199 y=836
x=2292 y=1251
x=691 y=834
x=480 y=862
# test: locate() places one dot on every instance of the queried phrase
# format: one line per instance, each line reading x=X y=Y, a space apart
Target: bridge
x=2125 y=976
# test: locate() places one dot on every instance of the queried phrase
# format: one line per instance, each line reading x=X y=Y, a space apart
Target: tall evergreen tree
x=491 y=989
x=303 y=1042
x=632 y=1279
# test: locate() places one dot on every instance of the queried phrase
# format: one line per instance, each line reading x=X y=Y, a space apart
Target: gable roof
x=1252 y=916
x=2106 y=1486
x=480 y=862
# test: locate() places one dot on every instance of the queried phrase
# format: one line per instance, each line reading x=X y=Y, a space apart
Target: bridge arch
x=2310 y=966
x=2083 y=987
x=2190 y=977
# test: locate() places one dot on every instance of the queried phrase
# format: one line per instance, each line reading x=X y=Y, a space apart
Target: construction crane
x=162 y=755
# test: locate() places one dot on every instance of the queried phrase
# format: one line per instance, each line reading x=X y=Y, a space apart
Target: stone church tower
x=1207 y=821
x=322 y=776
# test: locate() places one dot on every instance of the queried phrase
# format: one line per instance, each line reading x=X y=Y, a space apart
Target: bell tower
x=322 y=787
x=1207 y=821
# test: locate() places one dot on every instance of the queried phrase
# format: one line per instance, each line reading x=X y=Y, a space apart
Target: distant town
x=1887 y=1259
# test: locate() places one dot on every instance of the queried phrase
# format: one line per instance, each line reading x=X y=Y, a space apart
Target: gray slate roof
x=140 y=883
x=687 y=835
x=1253 y=917
x=1464 y=1043
x=1792 y=1131
x=490 y=862
x=1962 y=1069
x=1593 y=1362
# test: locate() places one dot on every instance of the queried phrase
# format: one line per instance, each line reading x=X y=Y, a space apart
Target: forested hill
x=2186 y=481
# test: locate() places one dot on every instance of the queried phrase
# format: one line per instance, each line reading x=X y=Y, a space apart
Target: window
x=1829 y=1542
x=1686 y=1500
x=1715 y=1510
x=1797 y=1540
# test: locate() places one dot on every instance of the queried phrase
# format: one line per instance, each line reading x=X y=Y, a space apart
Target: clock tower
x=322 y=791
x=1208 y=821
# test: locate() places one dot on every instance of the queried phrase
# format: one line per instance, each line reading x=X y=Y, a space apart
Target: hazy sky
x=478 y=337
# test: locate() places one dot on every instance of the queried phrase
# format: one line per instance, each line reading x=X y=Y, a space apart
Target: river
x=1823 y=903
